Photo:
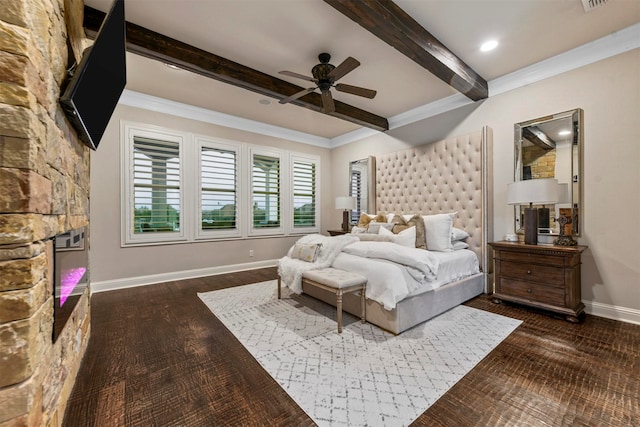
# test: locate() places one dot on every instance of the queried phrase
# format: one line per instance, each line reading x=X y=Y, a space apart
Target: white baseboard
x=129 y=282
x=623 y=314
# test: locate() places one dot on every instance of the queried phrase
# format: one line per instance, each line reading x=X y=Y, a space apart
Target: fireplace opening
x=71 y=275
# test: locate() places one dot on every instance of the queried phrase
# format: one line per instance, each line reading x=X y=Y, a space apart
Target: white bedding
x=389 y=283
x=394 y=272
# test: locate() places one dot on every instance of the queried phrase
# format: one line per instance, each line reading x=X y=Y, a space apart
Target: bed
x=452 y=175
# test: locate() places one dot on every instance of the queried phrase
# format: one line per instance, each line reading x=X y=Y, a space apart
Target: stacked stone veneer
x=542 y=162
x=44 y=190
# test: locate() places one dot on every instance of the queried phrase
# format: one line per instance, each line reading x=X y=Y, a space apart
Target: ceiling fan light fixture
x=489 y=45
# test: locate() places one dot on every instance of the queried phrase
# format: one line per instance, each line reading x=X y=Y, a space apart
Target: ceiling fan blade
x=346 y=66
x=296 y=75
x=327 y=102
x=356 y=90
x=296 y=95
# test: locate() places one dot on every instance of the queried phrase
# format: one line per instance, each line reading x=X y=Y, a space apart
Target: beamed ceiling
x=413 y=53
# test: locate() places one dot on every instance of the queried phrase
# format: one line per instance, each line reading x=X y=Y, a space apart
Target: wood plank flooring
x=158 y=357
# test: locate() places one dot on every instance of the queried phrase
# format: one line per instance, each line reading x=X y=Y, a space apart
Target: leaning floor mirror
x=551 y=147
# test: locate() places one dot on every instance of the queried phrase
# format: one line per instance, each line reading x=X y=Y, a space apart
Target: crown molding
x=608 y=46
x=611 y=45
x=179 y=109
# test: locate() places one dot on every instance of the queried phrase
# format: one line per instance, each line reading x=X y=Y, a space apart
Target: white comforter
x=393 y=271
x=402 y=271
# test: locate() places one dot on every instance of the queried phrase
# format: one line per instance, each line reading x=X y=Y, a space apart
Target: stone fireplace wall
x=44 y=191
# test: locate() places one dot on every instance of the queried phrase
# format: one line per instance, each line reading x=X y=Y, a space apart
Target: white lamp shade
x=536 y=191
x=346 y=203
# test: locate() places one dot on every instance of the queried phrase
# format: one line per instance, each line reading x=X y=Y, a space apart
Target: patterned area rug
x=364 y=376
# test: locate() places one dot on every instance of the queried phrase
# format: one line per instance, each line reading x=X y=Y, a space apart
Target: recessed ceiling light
x=264 y=101
x=489 y=45
x=564 y=132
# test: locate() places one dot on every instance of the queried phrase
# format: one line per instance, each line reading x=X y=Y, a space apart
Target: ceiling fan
x=325 y=76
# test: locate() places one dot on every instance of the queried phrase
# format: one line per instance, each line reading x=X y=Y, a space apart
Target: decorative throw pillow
x=438 y=231
x=458 y=234
x=375 y=226
x=403 y=222
x=367 y=237
x=306 y=251
x=406 y=237
x=358 y=230
x=365 y=219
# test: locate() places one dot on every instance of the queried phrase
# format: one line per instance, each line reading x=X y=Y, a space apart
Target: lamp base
x=345 y=220
x=531 y=226
x=565 y=241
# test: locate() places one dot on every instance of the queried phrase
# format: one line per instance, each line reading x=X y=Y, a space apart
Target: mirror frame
x=367 y=169
x=576 y=173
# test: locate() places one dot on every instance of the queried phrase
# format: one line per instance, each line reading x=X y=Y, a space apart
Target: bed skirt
x=410 y=311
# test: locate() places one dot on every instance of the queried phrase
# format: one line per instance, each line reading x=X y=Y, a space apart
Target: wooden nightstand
x=337 y=232
x=545 y=277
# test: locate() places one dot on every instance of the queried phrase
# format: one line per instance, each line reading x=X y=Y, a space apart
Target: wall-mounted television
x=98 y=81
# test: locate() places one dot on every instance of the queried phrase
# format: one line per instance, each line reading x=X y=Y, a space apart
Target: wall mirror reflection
x=551 y=147
x=361 y=186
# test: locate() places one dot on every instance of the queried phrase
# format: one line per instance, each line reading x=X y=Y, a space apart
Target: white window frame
x=304 y=158
x=215 y=143
x=129 y=131
x=284 y=193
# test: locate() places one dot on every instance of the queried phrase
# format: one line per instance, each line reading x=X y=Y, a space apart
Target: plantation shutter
x=265 y=183
x=156 y=185
x=218 y=188
x=355 y=190
x=304 y=194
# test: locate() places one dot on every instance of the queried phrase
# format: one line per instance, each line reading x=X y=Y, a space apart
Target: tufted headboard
x=454 y=174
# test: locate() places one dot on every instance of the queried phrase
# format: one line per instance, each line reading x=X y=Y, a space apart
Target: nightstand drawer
x=546 y=275
x=532 y=292
x=550 y=260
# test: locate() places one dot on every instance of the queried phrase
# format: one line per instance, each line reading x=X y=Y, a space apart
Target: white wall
x=112 y=264
x=609 y=93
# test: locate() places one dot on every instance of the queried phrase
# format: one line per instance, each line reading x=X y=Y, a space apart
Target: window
x=304 y=190
x=180 y=187
x=265 y=190
x=154 y=191
x=355 y=190
x=218 y=190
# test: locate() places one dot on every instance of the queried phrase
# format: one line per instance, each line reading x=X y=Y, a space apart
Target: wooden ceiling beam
x=390 y=23
x=156 y=46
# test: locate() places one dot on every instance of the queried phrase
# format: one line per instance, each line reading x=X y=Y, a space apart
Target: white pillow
x=438 y=231
x=358 y=230
x=406 y=237
x=458 y=234
x=459 y=244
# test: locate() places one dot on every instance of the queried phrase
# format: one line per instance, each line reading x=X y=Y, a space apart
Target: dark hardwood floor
x=158 y=357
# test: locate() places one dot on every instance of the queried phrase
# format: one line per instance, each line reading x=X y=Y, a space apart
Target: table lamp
x=530 y=192
x=346 y=203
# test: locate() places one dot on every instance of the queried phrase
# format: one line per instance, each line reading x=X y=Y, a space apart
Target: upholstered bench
x=338 y=281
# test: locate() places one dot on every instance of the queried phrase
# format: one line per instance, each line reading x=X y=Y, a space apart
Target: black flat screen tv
x=98 y=81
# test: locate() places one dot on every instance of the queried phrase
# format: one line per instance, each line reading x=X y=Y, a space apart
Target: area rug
x=364 y=376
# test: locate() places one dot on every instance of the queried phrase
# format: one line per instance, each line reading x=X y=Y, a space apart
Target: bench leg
x=339 y=308
x=278 y=287
x=363 y=305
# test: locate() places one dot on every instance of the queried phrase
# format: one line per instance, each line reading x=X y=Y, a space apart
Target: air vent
x=589 y=5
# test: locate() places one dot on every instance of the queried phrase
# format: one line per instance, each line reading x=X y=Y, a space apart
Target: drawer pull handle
x=529 y=290
x=528 y=271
